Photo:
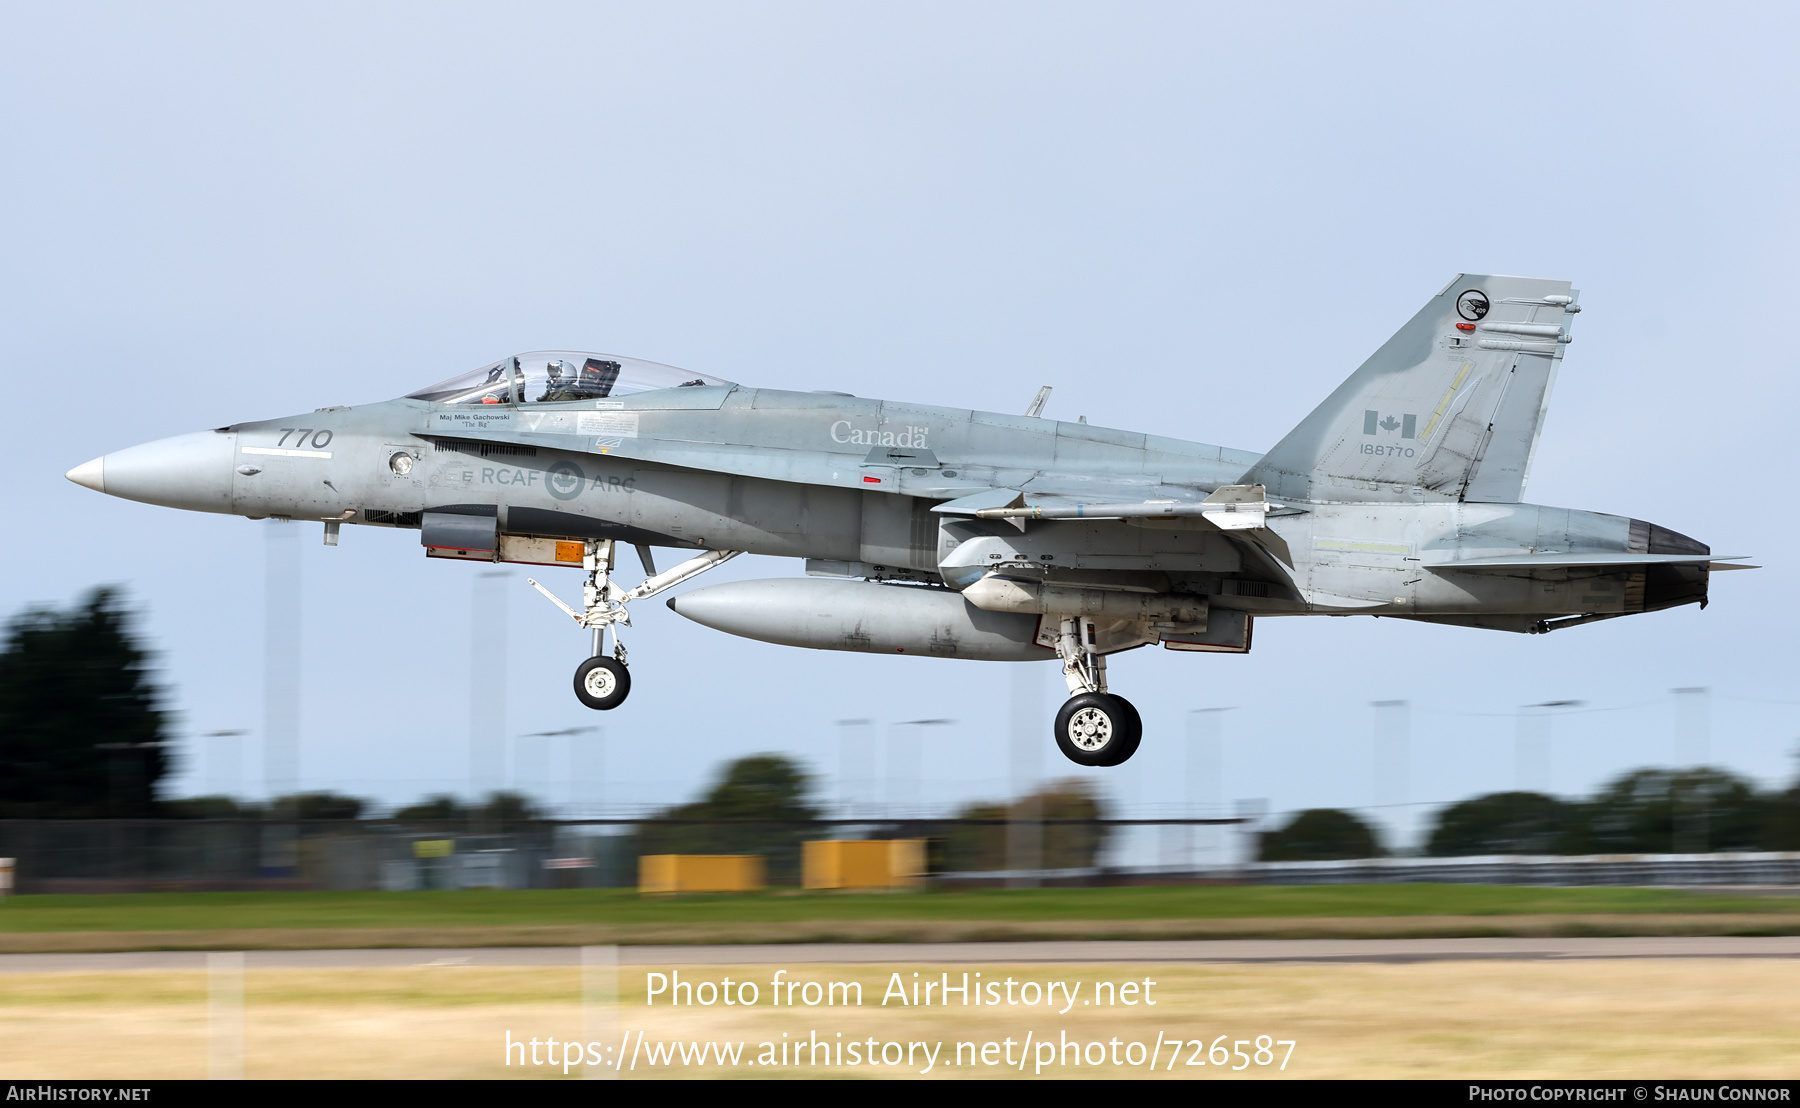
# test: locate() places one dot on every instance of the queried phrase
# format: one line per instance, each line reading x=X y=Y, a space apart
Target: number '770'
x=320 y=440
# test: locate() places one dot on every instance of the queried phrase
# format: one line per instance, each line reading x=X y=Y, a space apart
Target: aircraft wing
x=1237 y=510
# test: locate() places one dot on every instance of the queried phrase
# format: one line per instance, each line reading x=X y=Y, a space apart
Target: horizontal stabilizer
x=1508 y=562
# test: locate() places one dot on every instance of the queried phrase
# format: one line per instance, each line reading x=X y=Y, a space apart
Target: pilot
x=554 y=381
x=561 y=384
x=594 y=380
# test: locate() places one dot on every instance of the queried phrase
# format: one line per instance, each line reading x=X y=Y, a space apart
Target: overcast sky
x=1191 y=220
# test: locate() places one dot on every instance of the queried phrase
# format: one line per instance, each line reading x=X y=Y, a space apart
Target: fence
x=209 y=855
x=69 y=856
x=1539 y=869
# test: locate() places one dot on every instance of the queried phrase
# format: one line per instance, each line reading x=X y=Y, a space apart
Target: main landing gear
x=604 y=682
x=1095 y=727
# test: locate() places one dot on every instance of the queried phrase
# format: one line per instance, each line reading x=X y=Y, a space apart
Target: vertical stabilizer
x=1450 y=407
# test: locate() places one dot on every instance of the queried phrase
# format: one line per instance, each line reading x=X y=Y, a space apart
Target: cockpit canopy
x=557 y=376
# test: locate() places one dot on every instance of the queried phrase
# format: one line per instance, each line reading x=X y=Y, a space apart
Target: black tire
x=1098 y=729
x=602 y=683
x=1134 y=732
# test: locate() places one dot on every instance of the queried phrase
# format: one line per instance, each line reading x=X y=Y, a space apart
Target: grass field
x=490 y=908
x=303 y=921
x=259 y=921
x=1677 y=1018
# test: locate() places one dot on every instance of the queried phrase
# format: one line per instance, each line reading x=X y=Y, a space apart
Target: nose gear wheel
x=602 y=683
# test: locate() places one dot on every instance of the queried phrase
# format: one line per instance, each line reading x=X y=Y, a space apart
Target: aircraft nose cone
x=90 y=475
x=190 y=471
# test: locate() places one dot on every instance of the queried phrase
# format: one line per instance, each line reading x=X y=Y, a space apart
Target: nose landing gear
x=603 y=683
x=1094 y=727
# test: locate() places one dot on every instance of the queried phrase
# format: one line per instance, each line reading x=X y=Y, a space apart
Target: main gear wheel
x=1098 y=729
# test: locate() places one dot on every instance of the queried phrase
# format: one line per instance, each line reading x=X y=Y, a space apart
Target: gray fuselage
x=851 y=483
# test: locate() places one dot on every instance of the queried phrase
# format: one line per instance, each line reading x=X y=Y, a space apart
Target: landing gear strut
x=1095 y=727
x=604 y=682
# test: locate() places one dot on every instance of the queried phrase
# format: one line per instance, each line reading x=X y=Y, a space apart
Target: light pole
x=855 y=752
x=1024 y=825
x=487 y=682
x=588 y=770
x=1393 y=741
x=1693 y=749
x=1205 y=778
x=281 y=660
x=1531 y=751
x=1693 y=726
x=227 y=773
x=904 y=778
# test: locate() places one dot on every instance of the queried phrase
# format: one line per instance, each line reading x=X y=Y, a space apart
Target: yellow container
x=863 y=863
x=700 y=873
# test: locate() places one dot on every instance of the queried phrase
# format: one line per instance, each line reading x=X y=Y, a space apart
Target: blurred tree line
x=498 y=811
x=769 y=789
x=1320 y=835
x=774 y=791
x=1064 y=846
x=1644 y=811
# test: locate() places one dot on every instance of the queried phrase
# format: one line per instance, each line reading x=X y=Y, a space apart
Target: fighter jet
x=950 y=533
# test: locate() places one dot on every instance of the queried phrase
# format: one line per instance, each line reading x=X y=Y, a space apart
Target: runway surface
x=1236 y=951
